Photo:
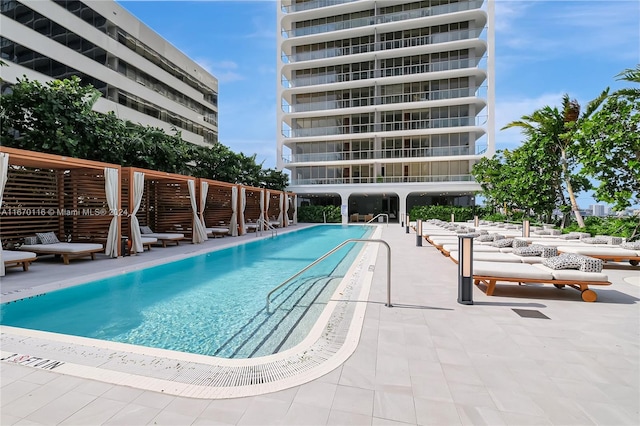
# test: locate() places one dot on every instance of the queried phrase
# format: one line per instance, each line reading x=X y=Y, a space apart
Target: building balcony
x=382 y=180
x=299 y=7
x=433 y=95
x=384 y=127
x=381 y=73
x=383 y=19
x=399 y=153
x=383 y=45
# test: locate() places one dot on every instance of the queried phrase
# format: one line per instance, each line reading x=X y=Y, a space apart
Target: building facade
x=385 y=104
x=142 y=77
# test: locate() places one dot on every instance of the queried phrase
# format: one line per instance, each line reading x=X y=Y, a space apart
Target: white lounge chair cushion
x=572 y=274
x=61 y=247
x=165 y=236
x=476 y=249
x=14 y=256
x=599 y=250
x=631 y=246
x=220 y=229
x=488 y=257
x=510 y=270
x=148 y=240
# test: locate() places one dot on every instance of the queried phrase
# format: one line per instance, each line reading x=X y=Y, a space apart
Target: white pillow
x=145 y=230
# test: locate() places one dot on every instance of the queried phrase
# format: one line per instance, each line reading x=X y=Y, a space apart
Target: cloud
x=508 y=110
x=224 y=71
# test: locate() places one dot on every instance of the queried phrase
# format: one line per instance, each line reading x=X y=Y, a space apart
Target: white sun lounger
x=13 y=258
x=165 y=238
x=66 y=250
x=220 y=231
x=604 y=252
x=489 y=273
x=487 y=256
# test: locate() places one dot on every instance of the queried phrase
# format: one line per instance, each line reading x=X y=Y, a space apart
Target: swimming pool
x=211 y=304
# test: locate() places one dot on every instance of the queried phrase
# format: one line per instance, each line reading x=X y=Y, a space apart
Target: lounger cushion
x=47 y=237
x=14 y=256
x=59 y=248
x=484 y=238
x=595 y=240
x=599 y=250
x=532 y=250
x=549 y=251
x=505 y=242
x=573 y=274
x=631 y=246
x=145 y=230
x=510 y=270
x=591 y=264
x=519 y=243
x=564 y=261
x=165 y=236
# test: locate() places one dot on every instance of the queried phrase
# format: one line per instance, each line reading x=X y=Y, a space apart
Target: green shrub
x=461 y=214
x=616 y=226
x=317 y=214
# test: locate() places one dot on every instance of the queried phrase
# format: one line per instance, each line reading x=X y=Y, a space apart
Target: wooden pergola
x=55 y=193
x=217 y=210
x=165 y=204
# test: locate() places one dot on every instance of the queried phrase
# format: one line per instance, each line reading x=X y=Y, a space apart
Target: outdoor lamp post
x=526 y=228
x=407 y=223
x=476 y=222
x=453 y=217
x=465 y=269
x=402 y=216
x=419 y=233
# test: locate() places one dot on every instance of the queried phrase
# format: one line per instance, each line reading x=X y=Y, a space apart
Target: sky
x=544 y=49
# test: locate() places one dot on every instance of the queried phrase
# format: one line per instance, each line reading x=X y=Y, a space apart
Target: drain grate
x=530 y=313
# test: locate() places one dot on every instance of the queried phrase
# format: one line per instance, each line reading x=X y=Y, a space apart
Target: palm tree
x=559 y=128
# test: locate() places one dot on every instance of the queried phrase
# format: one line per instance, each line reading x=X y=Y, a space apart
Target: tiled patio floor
x=428 y=360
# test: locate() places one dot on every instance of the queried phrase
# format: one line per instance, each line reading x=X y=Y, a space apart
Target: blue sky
x=544 y=49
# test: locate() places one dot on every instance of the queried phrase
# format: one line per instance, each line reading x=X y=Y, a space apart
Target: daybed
x=489 y=273
x=18 y=258
x=604 y=252
x=162 y=238
x=66 y=250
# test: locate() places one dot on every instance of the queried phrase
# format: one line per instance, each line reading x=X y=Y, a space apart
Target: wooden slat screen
x=218 y=209
x=274 y=206
x=88 y=215
x=166 y=206
x=252 y=209
x=30 y=204
x=124 y=204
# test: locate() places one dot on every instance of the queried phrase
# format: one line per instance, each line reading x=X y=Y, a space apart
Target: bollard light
x=419 y=233
x=407 y=223
x=476 y=222
x=526 y=228
x=402 y=219
x=465 y=269
x=453 y=217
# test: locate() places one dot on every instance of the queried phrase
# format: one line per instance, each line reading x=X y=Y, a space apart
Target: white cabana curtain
x=281 y=206
x=233 y=222
x=243 y=198
x=295 y=210
x=261 y=218
x=287 y=203
x=4 y=172
x=138 y=191
x=204 y=191
x=199 y=233
x=111 y=187
x=267 y=201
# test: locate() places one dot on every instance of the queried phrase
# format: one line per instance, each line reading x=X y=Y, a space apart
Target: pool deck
x=427 y=360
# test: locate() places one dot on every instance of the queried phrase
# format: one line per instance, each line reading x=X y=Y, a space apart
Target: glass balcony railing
x=386 y=154
x=382 y=179
x=308 y=5
x=383 y=45
x=383 y=19
x=380 y=73
x=408 y=125
x=433 y=95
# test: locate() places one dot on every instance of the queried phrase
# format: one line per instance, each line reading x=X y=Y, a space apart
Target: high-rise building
x=142 y=77
x=385 y=104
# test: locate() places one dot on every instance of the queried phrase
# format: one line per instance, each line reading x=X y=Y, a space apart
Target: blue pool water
x=211 y=304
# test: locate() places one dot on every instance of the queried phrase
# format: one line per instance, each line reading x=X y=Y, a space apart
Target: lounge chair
x=218 y=231
x=489 y=273
x=68 y=251
x=163 y=238
x=603 y=252
x=18 y=258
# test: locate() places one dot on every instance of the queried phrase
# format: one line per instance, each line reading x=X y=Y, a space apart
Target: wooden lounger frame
x=587 y=294
x=68 y=256
x=19 y=262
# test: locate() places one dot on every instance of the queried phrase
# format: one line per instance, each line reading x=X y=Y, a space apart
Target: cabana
x=77 y=200
x=219 y=206
x=291 y=203
x=274 y=207
x=252 y=202
x=165 y=203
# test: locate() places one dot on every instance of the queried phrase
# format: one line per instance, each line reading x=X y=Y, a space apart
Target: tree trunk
x=572 y=197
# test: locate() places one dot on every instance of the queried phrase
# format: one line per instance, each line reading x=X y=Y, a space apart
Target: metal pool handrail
x=380 y=215
x=261 y=223
x=329 y=253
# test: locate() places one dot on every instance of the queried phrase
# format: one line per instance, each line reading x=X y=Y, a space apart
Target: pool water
x=210 y=304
